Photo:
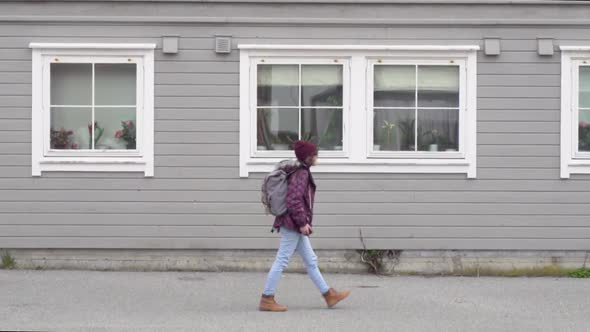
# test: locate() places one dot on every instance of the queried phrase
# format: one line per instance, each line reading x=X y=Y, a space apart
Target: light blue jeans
x=290 y=242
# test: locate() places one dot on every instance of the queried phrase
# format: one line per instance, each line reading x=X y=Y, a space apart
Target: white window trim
x=302 y=61
x=44 y=160
x=358 y=159
x=571 y=161
x=416 y=154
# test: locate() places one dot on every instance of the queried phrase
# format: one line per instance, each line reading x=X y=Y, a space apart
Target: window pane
x=277 y=128
x=321 y=85
x=394 y=130
x=438 y=130
x=278 y=85
x=69 y=128
x=71 y=84
x=115 y=128
x=323 y=127
x=115 y=84
x=438 y=86
x=584 y=94
x=394 y=86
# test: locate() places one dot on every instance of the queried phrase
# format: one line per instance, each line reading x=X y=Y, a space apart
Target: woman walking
x=295 y=227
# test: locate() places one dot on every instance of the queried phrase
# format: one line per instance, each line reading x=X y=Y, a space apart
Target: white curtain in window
x=584 y=78
x=288 y=75
x=403 y=78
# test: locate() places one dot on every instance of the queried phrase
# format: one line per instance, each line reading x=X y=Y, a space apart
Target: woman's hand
x=305 y=230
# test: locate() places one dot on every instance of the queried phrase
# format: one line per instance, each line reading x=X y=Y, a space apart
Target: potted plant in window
x=583 y=136
x=127 y=134
x=389 y=135
x=98 y=131
x=61 y=139
x=331 y=138
x=334 y=100
x=435 y=140
x=327 y=140
x=305 y=137
x=278 y=143
x=407 y=134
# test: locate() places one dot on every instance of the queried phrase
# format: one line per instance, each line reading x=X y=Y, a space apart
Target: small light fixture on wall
x=545 y=46
x=492 y=46
x=222 y=44
x=170 y=44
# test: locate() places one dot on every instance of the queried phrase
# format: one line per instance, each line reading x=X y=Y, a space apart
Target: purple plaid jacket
x=300 y=198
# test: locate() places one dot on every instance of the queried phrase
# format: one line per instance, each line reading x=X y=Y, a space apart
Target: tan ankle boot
x=267 y=303
x=332 y=296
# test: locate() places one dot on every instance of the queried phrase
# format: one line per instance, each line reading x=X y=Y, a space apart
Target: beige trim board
x=421 y=262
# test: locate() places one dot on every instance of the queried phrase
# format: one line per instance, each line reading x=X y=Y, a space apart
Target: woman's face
x=312 y=160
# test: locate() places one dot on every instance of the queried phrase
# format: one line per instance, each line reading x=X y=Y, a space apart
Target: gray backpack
x=275 y=185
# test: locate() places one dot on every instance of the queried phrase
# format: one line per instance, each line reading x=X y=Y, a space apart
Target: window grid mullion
x=70 y=106
x=279 y=107
x=424 y=107
x=416 y=111
x=93 y=117
x=300 y=103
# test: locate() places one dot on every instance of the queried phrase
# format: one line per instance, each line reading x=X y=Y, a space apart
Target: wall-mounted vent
x=545 y=46
x=223 y=45
x=170 y=44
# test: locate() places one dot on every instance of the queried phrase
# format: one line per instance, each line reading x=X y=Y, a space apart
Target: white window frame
x=572 y=161
x=255 y=61
x=461 y=63
x=45 y=159
x=358 y=156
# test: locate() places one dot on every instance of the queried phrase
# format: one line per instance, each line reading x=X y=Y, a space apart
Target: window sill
x=442 y=166
x=575 y=166
x=85 y=165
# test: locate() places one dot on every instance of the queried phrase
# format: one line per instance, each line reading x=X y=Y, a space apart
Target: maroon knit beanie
x=304 y=149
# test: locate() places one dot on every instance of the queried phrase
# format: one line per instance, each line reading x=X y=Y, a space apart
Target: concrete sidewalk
x=184 y=301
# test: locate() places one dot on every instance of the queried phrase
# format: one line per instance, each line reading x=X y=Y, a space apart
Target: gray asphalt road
x=180 y=301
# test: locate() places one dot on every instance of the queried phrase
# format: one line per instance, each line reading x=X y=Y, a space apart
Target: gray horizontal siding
x=227 y=161
x=341 y=183
x=334 y=220
x=472 y=2
x=241 y=243
x=229 y=172
x=370 y=14
x=323 y=232
x=193 y=196
x=238 y=209
x=196 y=199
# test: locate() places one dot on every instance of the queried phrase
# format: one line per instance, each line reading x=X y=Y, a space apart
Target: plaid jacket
x=300 y=198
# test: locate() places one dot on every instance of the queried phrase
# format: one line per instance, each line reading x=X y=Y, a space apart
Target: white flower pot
x=433 y=147
x=377 y=147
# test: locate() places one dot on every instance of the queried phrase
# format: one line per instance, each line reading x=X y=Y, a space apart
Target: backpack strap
x=310 y=177
x=293 y=171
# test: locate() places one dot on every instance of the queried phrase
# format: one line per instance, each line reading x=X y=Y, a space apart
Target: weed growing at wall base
x=8 y=261
x=583 y=272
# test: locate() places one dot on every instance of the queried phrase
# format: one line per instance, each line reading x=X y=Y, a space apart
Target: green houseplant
x=98 y=131
x=406 y=127
x=389 y=135
x=435 y=140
